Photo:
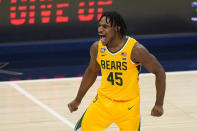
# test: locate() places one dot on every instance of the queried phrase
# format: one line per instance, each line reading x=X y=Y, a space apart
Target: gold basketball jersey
x=119 y=74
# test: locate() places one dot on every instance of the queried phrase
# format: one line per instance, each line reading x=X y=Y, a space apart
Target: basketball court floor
x=41 y=105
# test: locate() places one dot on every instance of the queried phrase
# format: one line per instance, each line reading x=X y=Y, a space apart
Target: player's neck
x=116 y=43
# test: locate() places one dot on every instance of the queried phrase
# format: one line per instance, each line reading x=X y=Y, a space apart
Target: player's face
x=105 y=31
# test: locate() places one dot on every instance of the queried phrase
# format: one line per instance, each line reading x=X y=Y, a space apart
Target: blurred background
x=42 y=39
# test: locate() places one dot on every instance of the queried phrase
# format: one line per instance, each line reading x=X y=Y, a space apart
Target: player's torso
x=119 y=73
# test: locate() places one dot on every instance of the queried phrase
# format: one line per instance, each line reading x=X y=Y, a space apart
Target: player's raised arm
x=88 y=78
x=142 y=55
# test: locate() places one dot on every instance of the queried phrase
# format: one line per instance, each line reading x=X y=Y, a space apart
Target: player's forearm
x=160 y=87
x=87 y=81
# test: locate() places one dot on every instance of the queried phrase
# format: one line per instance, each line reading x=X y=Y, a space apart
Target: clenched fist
x=157 y=111
x=73 y=106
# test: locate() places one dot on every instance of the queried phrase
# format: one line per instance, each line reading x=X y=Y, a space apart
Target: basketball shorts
x=102 y=112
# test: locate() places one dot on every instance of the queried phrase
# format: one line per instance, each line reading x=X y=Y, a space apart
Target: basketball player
x=118 y=99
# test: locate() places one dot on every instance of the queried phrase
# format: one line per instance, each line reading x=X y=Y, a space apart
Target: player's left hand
x=157 y=111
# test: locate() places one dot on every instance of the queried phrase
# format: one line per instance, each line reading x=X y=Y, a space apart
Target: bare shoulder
x=142 y=55
x=93 y=65
x=139 y=48
x=94 y=49
x=139 y=53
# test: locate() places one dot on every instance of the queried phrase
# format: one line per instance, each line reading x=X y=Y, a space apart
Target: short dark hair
x=116 y=20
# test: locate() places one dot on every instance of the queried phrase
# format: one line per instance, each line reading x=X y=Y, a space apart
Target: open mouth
x=102 y=38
